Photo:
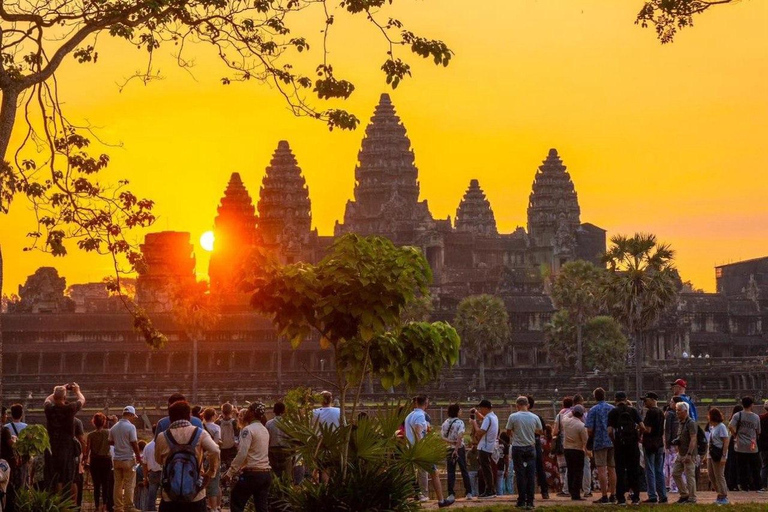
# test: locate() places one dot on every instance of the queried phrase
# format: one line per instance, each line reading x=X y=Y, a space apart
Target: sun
x=207 y=240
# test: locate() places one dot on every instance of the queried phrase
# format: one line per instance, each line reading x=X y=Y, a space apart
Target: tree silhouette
x=483 y=326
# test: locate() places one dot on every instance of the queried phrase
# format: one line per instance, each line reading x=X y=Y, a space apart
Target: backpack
x=701 y=441
x=181 y=472
x=626 y=428
x=227 y=433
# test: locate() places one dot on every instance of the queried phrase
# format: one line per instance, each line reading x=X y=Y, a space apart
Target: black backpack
x=626 y=428
x=701 y=441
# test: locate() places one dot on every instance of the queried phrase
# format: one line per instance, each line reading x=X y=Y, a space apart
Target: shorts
x=605 y=458
x=214 y=489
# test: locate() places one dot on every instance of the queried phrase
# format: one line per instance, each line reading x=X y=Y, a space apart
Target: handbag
x=560 y=440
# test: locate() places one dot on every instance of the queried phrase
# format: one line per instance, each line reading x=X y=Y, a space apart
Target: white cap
x=130 y=410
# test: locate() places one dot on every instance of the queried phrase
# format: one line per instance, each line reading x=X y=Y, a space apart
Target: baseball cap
x=681 y=383
x=129 y=409
x=651 y=395
x=578 y=408
x=485 y=403
x=620 y=395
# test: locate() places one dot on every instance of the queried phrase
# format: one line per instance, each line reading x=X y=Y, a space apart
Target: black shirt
x=654 y=419
x=616 y=412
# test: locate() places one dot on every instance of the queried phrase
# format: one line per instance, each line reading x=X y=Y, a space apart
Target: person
x=504 y=477
x=731 y=466
x=279 y=454
x=586 y=484
x=624 y=425
x=452 y=432
x=5 y=478
x=486 y=435
x=327 y=414
x=60 y=466
x=522 y=427
x=98 y=460
x=653 y=447
x=140 y=490
x=745 y=427
x=79 y=483
x=557 y=432
x=575 y=444
x=541 y=475
x=671 y=426
x=16 y=425
x=679 y=389
x=251 y=464
x=213 y=491
x=686 y=455
x=717 y=455
x=762 y=447
x=126 y=456
x=603 y=450
x=8 y=456
x=182 y=432
x=416 y=427
x=230 y=431
x=153 y=473
x=164 y=423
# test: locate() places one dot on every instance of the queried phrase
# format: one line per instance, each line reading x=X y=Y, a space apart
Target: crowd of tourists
x=196 y=456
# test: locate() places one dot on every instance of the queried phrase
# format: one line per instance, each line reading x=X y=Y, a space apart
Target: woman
x=251 y=465
x=557 y=432
x=717 y=455
x=731 y=468
x=98 y=460
x=452 y=432
x=575 y=444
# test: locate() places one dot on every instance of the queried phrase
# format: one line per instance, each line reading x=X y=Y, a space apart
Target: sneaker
x=682 y=500
x=602 y=501
x=663 y=500
x=651 y=500
x=722 y=501
x=469 y=496
x=487 y=496
x=764 y=489
x=545 y=495
x=444 y=503
x=673 y=491
x=612 y=498
x=423 y=498
x=451 y=498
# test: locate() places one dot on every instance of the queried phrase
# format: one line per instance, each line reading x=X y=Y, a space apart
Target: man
x=603 y=450
x=486 y=435
x=762 y=446
x=183 y=432
x=745 y=427
x=541 y=475
x=279 y=456
x=165 y=422
x=16 y=425
x=416 y=427
x=575 y=444
x=326 y=414
x=60 y=414
x=653 y=445
x=678 y=389
x=152 y=475
x=126 y=444
x=522 y=427
x=229 y=434
x=686 y=455
x=624 y=425
x=586 y=483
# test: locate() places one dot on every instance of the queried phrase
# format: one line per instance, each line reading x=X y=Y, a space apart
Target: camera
x=472 y=414
x=69 y=387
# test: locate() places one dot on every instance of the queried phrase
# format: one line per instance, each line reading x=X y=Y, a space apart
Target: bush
x=31 y=500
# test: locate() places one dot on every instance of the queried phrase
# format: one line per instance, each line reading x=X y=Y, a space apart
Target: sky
x=668 y=139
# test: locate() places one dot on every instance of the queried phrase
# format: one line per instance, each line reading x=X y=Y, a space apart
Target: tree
x=255 y=42
x=642 y=284
x=605 y=346
x=483 y=326
x=669 y=16
x=578 y=290
x=353 y=300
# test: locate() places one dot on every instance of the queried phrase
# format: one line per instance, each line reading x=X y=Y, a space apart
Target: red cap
x=681 y=383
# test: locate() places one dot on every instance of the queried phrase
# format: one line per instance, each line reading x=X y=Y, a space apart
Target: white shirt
x=453 y=431
x=416 y=418
x=253 y=450
x=327 y=416
x=214 y=430
x=491 y=426
x=148 y=456
x=16 y=427
x=122 y=435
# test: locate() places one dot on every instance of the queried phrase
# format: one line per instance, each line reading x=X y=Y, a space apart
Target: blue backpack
x=181 y=472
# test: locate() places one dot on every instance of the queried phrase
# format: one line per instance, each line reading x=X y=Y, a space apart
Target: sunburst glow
x=207 y=240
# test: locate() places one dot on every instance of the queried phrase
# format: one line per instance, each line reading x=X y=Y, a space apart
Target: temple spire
x=474 y=213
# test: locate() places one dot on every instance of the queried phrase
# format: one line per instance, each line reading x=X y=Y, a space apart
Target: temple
x=49 y=340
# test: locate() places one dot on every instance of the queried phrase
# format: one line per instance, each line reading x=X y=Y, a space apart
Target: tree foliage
x=353 y=300
x=669 y=16
x=483 y=325
x=605 y=346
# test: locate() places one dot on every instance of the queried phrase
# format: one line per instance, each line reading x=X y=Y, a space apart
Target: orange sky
x=667 y=139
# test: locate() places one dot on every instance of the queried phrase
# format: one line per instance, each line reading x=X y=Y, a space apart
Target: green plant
x=31 y=500
x=32 y=441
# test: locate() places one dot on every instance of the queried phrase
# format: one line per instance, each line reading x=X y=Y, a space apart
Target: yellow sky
x=667 y=139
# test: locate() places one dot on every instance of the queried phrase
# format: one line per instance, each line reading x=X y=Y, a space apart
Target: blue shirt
x=164 y=423
x=597 y=422
x=691 y=407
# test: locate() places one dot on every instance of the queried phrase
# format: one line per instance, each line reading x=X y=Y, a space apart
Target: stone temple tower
x=474 y=213
x=235 y=232
x=285 y=211
x=170 y=267
x=386 y=197
x=553 y=214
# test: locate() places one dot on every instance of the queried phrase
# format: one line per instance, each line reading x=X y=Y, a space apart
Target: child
x=140 y=491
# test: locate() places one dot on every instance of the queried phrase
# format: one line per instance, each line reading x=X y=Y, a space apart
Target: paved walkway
x=703 y=497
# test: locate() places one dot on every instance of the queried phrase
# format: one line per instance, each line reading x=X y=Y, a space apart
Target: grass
x=700 y=507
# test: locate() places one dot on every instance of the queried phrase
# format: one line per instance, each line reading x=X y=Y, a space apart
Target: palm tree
x=483 y=326
x=641 y=285
x=578 y=289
